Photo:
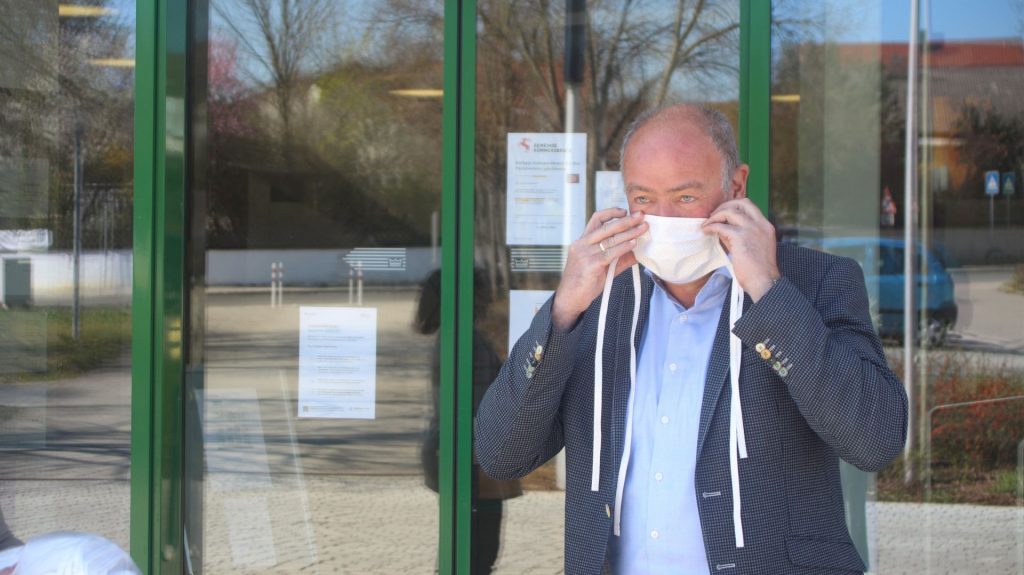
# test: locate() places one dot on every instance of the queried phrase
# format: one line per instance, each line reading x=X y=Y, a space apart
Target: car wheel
x=933 y=332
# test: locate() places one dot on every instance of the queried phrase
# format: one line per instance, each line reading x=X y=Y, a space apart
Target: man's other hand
x=750 y=239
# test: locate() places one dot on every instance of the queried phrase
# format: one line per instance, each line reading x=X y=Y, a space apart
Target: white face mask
x=677 y=251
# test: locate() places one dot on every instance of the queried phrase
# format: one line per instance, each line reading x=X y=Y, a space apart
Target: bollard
x=273 y=284
x=359 y=284
x=351 y=274
x=280 y=284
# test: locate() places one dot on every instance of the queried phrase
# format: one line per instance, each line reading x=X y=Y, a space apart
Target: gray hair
x=713 y=123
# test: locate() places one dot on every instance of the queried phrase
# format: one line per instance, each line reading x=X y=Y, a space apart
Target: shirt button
x=664 y=419
x=658 y=476
x=672 y=367
x=654 y=534
x=682 y=317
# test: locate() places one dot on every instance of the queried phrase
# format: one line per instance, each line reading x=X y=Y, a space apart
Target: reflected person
x=705 y=400
x=488 y=494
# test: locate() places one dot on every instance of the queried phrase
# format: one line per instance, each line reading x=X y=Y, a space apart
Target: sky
x=947 y=19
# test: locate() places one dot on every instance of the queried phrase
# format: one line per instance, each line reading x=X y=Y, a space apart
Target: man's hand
x=750 y=239
x=610 y=234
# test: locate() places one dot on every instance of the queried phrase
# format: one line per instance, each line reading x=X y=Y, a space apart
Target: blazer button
x=608 y=510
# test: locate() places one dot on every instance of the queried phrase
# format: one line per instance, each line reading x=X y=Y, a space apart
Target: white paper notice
x=523 y=304
x=608 y=191
x=338 y=362
x=547 y=182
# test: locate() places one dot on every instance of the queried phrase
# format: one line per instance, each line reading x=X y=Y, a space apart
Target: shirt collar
x=716 y=286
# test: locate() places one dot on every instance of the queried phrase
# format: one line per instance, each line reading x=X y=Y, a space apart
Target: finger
x=619 y=226
x=604 y=216
x=730 y=215
x=626 y=235
x=748 y=208
x=619 y=250
x=725 y=232
x=626 y=261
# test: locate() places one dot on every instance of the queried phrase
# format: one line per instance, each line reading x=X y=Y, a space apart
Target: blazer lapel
x=718 y=371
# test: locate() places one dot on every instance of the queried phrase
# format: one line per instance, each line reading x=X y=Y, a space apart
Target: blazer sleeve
x=518 y=425
x=834 y=366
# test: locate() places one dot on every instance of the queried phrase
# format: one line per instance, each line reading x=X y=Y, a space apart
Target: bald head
x=680 y=117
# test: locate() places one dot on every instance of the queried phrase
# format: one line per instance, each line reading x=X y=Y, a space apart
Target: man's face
x=674 y=170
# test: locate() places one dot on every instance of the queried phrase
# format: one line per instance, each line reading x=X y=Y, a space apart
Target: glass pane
x=314 y=258
x=543 y=83
x=66 y=107
x=840 y=168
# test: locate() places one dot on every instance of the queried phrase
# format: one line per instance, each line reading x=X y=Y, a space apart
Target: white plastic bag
x=69 y=553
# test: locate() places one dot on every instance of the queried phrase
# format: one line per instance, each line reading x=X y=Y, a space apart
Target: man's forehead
x=677 y=134
x=682 y=146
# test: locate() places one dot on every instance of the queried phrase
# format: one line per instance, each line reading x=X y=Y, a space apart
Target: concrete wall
x=309 y=267
x=106 y=277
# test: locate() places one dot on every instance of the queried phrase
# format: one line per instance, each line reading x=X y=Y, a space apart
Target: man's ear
x=738 y=185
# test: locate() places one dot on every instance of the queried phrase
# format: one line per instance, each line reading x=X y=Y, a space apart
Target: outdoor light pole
x=76 y=239
x=909 y=189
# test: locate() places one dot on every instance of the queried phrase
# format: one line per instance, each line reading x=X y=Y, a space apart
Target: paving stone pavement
x=375 y=524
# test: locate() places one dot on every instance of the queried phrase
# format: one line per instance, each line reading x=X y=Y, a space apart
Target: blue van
x=882 y=261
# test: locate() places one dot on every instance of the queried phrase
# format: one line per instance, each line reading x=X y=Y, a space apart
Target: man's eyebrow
x=694 y=184
x=691 y=185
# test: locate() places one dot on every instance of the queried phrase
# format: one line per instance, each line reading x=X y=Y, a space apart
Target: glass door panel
x=314 y=255
x=66 y=150
x=551 y=79
x=938 y=231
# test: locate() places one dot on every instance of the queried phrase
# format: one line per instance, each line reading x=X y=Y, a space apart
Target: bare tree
x=283 y=37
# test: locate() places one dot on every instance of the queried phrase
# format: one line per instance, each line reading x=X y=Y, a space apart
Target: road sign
x=992 y=183
x=1009 y=183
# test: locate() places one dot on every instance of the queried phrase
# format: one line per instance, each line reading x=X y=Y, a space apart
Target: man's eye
x=640 y=199
x=687 y=199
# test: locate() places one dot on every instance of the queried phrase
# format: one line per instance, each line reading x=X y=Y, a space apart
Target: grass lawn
x=1016 y=283
x=36 y=344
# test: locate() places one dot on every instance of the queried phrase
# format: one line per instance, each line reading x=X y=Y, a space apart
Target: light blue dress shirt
x=660 y=525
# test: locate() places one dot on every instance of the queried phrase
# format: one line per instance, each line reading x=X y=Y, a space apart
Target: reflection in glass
x=489 y=494
x=65 y=269
x=318 y=171
x=839 y=173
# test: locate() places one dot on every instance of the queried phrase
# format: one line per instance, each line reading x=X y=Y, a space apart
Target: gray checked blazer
x=823 y=391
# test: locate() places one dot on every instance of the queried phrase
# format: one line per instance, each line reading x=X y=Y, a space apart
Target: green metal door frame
x=158 y=290
x=455 y=477
x=157 y=285
x=755 y=96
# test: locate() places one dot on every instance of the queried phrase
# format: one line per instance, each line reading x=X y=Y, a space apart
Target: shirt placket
x=665 y=433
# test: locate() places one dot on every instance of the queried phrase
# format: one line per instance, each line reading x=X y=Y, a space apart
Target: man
x=654 y=483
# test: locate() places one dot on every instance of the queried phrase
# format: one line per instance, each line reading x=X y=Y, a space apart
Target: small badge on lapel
x=533 y=359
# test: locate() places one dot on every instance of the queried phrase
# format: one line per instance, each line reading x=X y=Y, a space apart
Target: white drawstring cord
x=628 y=439
x=737 y=438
